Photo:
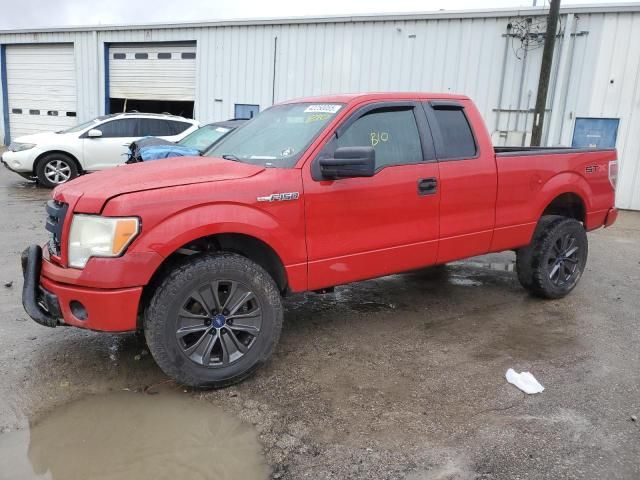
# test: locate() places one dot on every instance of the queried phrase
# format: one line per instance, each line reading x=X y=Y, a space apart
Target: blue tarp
x=166 y=151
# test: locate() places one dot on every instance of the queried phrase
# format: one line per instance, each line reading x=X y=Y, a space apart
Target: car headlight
x=19 y=147
x=96 y=236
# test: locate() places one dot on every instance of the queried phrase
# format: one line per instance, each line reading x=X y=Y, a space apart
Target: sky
x=17 y=14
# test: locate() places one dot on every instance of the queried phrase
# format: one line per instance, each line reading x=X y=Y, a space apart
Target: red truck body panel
x=337 y=231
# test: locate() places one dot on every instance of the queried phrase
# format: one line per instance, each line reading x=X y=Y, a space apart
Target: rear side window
x=156 y=127
x=126 y=127
x=178 y=127
x=456 y=134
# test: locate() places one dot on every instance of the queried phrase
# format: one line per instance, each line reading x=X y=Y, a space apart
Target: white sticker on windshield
x=222 y=129
x=327 y=108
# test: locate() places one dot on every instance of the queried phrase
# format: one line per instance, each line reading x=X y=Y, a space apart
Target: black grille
x=56 y=211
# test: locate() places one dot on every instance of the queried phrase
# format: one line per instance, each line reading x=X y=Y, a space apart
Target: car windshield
x=204 y=137
x=277 y=136
x=82 y=126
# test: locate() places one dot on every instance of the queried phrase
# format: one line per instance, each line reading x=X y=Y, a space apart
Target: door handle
x=427 y=186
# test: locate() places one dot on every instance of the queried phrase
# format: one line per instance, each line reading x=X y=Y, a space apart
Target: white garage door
x=152 y=72
x=41 y=86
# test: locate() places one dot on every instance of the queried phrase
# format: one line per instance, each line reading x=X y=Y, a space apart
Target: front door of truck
x=366 y=227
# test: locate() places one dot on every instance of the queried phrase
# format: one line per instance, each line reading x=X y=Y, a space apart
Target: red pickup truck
x=310 y=194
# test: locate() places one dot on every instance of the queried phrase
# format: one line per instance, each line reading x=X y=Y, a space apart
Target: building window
x=141 y=56
x=164 y=56
x=245 y=110
x=34 y=112
x=119 y=56
x=595 y=132
x=16 y=110
x=188 y=55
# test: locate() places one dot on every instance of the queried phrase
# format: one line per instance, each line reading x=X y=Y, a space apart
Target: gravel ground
x=396 y=378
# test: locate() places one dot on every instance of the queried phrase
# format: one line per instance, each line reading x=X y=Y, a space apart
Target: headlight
x=19 y=147
x=95 y=236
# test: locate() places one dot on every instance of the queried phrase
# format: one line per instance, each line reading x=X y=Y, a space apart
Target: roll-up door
x=152 y=78
x=41 y=88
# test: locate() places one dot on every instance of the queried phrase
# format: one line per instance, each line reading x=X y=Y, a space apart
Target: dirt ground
x=395 y=378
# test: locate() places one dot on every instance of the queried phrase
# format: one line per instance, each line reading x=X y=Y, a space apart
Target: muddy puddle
x=134 y=436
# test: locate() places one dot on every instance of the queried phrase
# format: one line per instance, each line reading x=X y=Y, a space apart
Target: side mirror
x=348 y=162
x=94 y=133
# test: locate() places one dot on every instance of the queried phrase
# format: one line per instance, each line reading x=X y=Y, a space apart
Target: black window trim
x=441 y=149
x=428 y=151
x=110 y=120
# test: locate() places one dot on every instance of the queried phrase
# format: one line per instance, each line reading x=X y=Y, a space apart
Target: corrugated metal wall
x=596 y=68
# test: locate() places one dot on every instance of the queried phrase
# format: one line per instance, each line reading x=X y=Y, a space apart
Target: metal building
x=53 y=78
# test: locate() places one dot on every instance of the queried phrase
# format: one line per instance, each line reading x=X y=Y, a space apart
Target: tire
x=197 y=338
x=55 y=169
x=552 y=265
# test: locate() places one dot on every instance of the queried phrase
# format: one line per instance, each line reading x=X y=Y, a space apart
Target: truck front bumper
x=52 y=303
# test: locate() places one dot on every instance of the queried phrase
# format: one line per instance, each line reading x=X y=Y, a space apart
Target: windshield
x=82 y=126
x=204 y=137
x=277 y=136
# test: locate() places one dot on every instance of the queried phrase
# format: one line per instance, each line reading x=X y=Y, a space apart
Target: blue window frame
x=245 y=110
x=595 y=132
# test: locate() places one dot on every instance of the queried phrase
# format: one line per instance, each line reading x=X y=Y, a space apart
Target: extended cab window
x=456 y=134
x=392 y=132
x=126 y=127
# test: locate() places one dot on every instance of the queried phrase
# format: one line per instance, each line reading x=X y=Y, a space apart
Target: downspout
x=5 y=93
x=565 y=90
x=521 y=90
x=502 y=75
x=562 y=77
x=275 y=60
x=107 y=106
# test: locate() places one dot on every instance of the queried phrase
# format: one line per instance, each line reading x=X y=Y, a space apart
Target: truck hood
x=89 y=193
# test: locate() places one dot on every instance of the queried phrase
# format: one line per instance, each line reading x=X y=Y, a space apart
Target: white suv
x=56 y=157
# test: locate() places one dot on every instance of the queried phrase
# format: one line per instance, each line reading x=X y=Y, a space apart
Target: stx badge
x=280 y=197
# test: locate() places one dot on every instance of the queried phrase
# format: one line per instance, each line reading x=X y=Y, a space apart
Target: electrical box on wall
x=595 y=132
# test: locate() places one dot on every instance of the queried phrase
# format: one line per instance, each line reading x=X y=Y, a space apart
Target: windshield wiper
x=230 y=157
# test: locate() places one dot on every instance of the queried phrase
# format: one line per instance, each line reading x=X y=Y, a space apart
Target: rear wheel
x=214 y=320
x=55 y=169
x=551 y=266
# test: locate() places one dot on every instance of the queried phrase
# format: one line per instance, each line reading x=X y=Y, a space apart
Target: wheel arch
x=567 y=204
x=41 y=157
x=249 y=246
x=567 y=194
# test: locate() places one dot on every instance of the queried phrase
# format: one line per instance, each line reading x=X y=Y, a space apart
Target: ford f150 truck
x=310 y=194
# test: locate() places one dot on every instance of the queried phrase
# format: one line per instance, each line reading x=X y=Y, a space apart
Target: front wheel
x=551 y=266
x=214 y=320
x=55 y=169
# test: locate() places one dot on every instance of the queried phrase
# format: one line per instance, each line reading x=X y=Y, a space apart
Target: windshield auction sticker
x=327 y=108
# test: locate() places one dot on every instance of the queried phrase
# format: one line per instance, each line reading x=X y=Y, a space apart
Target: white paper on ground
x=524 y=381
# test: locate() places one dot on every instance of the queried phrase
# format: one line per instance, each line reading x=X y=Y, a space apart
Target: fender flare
x=562 y=183
x=187 y=226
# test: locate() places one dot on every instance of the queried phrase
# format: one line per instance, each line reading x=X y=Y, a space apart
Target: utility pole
x=545 y=72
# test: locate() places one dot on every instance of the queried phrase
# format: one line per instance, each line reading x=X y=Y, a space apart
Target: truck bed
x=529 y=178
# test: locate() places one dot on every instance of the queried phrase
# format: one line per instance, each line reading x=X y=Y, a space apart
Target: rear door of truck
x=468 y=178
